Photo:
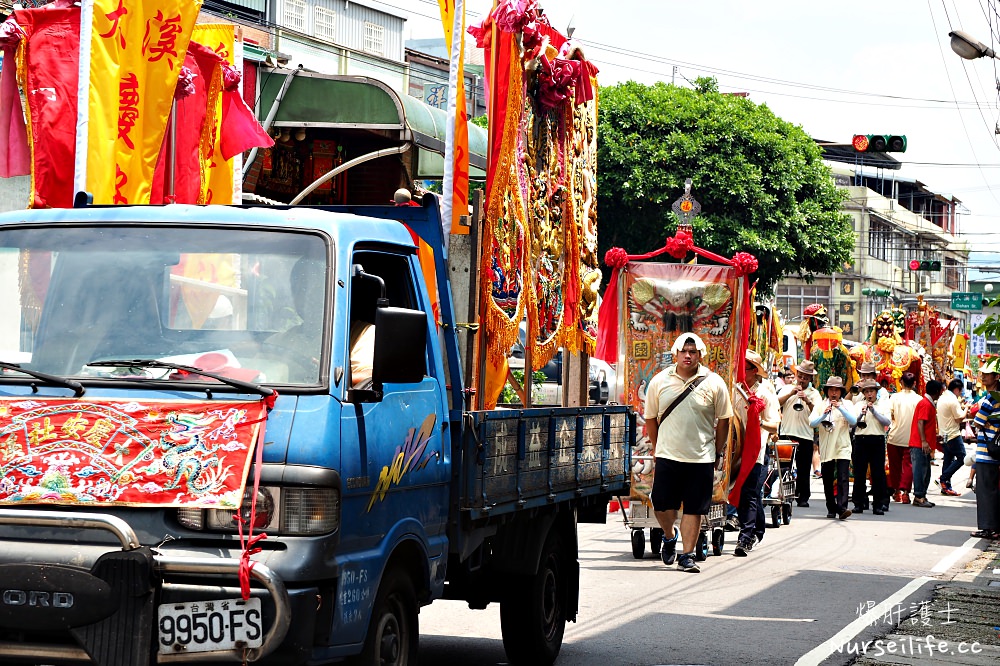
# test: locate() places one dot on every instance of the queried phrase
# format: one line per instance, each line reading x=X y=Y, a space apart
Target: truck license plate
x=202 y=626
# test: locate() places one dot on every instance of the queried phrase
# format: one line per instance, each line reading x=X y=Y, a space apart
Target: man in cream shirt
x=901 y=408
x=690 y=444
x=796 y=401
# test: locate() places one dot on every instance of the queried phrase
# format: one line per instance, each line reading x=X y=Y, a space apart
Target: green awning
x=355 y=102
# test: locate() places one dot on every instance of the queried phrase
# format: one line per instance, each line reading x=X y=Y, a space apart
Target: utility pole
x=673 y=76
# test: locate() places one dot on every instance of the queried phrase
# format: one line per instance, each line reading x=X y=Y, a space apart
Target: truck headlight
x=293 y=511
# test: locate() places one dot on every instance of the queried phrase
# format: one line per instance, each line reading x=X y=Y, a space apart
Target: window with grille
x=326 y=24
x=952 y=274
x=295 y=15
x=879 y=240
x=792 y=299
x=375 y=38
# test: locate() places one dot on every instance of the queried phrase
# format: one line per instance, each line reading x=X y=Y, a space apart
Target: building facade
x=896 y=221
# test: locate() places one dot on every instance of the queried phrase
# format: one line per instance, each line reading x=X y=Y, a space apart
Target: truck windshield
x=243 y=303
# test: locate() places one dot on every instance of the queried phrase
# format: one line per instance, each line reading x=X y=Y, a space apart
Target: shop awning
x=356 y=102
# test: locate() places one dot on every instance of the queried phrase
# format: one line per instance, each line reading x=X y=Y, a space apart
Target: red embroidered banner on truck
x=191 y=453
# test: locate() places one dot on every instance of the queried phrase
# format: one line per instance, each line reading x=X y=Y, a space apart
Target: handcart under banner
x=639 y=517
x=779 y=485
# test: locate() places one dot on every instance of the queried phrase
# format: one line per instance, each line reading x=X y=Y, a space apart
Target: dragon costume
x=890 y=355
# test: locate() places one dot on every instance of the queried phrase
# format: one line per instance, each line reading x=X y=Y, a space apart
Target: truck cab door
x=394 y=451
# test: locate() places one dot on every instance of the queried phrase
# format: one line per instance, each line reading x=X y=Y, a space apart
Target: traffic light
x=925 y=265
x=879 y=143
x=883 y=293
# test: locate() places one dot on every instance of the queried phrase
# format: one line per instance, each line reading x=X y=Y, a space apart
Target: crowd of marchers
x=883 y=443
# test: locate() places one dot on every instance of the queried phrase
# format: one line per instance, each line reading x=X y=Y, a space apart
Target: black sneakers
x=688 y=562
x=743 y=548
x=668 y=550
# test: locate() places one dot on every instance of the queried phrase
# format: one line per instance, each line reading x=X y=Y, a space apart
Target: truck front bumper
x=122 y=588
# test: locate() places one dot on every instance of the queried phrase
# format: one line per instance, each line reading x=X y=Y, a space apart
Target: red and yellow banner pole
x=455 y=188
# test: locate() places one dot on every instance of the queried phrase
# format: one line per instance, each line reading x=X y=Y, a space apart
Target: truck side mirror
x=400 y=346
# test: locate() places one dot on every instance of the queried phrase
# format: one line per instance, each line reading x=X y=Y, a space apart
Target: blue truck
x=378 y=489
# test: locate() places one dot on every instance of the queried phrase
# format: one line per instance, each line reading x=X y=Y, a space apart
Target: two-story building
x=907 y=244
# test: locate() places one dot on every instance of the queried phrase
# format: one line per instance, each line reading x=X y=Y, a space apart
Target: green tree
x=760 y=180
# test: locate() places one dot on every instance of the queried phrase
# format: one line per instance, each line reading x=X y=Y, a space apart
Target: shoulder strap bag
x=679 y=399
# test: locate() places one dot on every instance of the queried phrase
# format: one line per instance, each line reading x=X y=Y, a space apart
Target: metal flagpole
x=83 y=98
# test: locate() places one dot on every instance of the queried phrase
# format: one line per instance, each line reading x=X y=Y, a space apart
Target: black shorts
x=676 y=483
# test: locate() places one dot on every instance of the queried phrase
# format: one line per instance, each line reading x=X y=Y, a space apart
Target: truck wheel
x=393 y=632
x=533 y=615
x=638 y=544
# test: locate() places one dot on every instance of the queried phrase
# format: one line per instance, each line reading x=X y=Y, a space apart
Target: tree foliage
x=760 y=180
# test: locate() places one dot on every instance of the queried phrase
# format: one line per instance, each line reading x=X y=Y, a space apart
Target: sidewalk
x=960 y=624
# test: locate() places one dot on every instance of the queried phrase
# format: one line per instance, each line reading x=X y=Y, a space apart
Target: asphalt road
x=805 y=584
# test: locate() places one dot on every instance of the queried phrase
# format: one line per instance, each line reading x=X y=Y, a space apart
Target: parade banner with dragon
x=127 y=452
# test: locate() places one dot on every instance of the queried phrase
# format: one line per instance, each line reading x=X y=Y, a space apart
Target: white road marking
x=746 y=618
x=955 y=556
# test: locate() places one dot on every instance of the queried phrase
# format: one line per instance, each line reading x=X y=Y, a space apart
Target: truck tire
x=393 y=632
x=533 y=614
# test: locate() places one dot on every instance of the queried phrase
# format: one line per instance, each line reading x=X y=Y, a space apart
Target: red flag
x=240 y=129
x=15 y=158
x=191 y=96
x=50 y=53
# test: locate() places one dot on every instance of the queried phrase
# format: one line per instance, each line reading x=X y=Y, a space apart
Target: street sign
x=977 y=343
x=967 y=300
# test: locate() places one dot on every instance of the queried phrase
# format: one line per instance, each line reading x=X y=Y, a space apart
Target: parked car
x=602 y=377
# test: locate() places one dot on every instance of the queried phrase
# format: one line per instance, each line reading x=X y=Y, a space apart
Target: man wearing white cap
x=687 y=415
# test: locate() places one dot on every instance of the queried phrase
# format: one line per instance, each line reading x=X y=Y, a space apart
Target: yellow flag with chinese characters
x=137 y=49
x=217 y=172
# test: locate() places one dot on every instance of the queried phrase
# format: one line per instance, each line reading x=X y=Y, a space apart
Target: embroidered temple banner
x=540 y=233
x=661 y=302
x=190 y=453
x=505 y=228
x=583 y=255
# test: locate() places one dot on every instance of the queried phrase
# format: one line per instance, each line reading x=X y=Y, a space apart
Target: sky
x=835 y=69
